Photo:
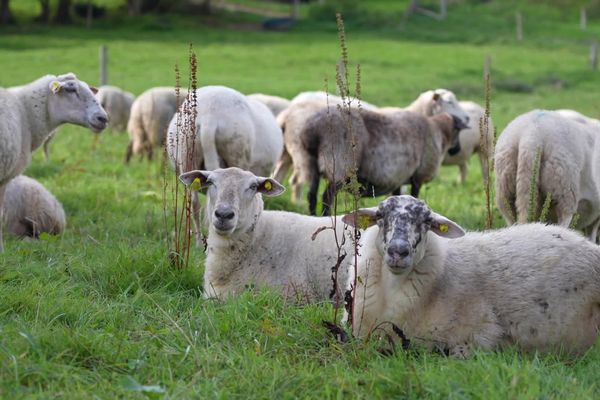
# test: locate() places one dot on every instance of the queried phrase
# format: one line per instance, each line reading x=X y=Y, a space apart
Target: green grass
x=99 y=312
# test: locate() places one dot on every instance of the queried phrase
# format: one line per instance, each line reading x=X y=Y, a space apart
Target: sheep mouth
x=398 y=265
x=223 y=229
x=98 y=127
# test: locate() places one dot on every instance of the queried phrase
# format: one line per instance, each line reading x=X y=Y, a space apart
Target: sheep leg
x=129 y=152
x=594 y=233
x=47 y=150
x=196 y=218
x=312 y=194
x=2 y=190
x=283 y=166
x=150 y=152
x=329 y=196
x=415 y=186
x=463 y=172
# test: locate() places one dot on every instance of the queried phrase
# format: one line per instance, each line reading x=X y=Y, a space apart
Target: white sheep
x=30 y=113
x=531 y=285
x=249 y=246
x=569 y=171
x=30 y=209
x=275 y=103
x=116 y=103
x=228 y=130
x=149 y=119
x=470 y=139
x=332 y=99
x=387 y=150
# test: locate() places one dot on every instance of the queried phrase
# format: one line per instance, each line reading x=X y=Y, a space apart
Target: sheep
x=530 y=285
x=387 y=150
x=116 y=103
x=248 y=246
x=30 y=209
x=293 y=119
x=569 y=156
x=30 y=113
x=324 y=97
x=231 y=130
x=150 y=115
x=470 y=139
x=275 y=103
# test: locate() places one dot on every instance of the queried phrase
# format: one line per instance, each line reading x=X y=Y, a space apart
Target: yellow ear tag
x=268 y=185
x=196 y=184
x=443 y=228
x=55 y=86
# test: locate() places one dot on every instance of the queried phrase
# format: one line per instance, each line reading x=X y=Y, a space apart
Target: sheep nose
x=401 y=250
x=224 y=213
x=102 y=119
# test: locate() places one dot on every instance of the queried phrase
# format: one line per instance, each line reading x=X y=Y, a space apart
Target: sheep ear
x=362 y=218
x=196 y=180
x=436 y=96
x=55 y=86
x=442 y=226
x=269 y=187
x=94 y=89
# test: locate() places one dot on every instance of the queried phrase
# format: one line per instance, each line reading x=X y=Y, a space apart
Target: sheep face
x=403 y=223
x=445 y=101
x=73 y=101
x=234 y=197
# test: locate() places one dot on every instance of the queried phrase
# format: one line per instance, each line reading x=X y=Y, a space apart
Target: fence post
x=594 y=54
x=583 y=19
x=443 y=9
x=103 y=65
x=295 y=9
x=519 y=23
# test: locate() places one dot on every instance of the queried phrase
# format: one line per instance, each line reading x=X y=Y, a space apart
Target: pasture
x=100 y=313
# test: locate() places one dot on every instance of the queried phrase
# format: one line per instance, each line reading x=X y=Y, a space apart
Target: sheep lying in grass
x=249 y=246
x=28 y=114
x=231 y=130
x=534 y=286
x=150 y=115
x=387 y=150
x=275 y=103
x=569 y=154
x=293 y=120
x=470 y=139
x=30 y=209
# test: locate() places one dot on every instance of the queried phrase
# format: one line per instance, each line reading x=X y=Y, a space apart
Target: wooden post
x=594 y=54
x=519 y=23
x=443 y=9
x=295 y=9
x=487 y=67
x=583 y=19
x=103 y=65
x=321 y=2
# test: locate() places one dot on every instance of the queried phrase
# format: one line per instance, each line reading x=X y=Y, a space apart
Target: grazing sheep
x=275 y=103
x=532 y=285
x=470 y=139
x=328 y=98
x=390 y=149
x=568 y=170
x=150 y=115
x=28 y=114
x=30 y=209
x=293 y=119
x=231 y=130
x=117 y=104
x=249 y=246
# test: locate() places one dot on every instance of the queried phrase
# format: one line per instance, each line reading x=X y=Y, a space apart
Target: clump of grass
x=546 y=208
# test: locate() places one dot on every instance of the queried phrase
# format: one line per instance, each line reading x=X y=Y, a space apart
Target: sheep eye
x=254 y=186
x=209 y=182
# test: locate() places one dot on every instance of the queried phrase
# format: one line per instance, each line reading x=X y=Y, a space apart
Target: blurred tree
x=45 y=12
x=5 y=14
x=63 y=12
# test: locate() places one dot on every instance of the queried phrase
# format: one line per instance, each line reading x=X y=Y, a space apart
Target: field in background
x=99 y=311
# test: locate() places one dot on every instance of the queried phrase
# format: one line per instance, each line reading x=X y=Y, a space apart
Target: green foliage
x=99 y=311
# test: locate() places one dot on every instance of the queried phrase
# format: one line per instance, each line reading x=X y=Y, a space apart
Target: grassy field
x=100 y=313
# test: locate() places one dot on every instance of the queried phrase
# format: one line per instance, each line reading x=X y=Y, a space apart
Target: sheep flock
x=532 y=285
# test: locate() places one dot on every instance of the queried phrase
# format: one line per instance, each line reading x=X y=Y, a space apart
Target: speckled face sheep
x=247 y=246
x=569 y=150
x=29 y=113
x=531 y=285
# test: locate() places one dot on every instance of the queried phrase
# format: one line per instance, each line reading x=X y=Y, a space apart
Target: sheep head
x=234 y=197
x=443 y=100
x=71 y=100
x=403 y=223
